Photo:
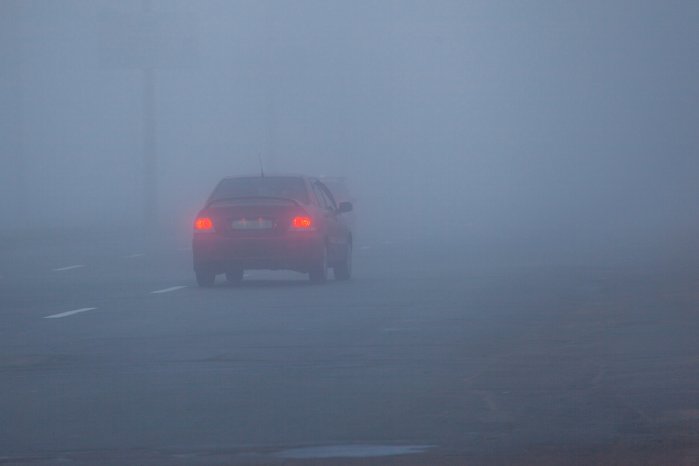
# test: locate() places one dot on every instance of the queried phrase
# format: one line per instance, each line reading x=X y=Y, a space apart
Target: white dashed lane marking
x=167 y=290
x=133 y=256
x=70 y=267
x=70 y=313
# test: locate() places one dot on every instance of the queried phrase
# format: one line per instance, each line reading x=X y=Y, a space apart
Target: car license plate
x=252 y=224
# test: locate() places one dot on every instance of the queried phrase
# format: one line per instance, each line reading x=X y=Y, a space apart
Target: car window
x=327 y=195
x=287 y=187
x=322 y=200
x=338 y=188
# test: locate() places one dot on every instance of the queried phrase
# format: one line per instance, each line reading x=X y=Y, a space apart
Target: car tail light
x=203 y=224
x=302 y=223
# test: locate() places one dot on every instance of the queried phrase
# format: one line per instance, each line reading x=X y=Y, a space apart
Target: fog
x=554 y=123
x=516 y=282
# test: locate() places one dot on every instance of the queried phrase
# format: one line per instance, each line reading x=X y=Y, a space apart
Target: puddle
x=351 y=451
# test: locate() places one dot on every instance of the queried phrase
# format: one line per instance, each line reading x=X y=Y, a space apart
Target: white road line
x=167 y=290
x=133 y=256
x=70 y=313
x=70 y=267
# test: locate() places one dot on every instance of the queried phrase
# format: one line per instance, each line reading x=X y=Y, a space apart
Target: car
x=271 y=222
x=339 y=187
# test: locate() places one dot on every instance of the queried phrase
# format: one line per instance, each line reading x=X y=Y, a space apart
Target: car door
x=336 y=230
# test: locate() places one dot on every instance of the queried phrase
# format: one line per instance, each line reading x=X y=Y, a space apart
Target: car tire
x=205 y=278
x=319 y=273
x=234 y=276
x=343 y=270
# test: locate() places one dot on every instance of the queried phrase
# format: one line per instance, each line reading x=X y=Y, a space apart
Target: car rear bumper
x=219 y=253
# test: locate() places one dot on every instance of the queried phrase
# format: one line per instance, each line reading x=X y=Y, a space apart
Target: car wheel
x=234 y=275
x=319 y=273
x=205 y=278
x=343 y=270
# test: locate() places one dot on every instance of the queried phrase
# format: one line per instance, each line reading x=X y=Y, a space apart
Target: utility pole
x=271 y=116
x=150 y=143
x=147 y=40
x=150 y=150
x=271 y=123
x=13 y=163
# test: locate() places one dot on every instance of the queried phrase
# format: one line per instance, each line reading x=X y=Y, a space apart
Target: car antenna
x=262 y=170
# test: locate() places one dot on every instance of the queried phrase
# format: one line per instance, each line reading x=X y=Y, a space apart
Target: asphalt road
x=428 y=356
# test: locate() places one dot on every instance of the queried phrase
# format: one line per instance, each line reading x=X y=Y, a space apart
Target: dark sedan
x=272 y=222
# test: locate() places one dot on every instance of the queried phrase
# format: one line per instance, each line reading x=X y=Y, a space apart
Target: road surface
x=109 y=354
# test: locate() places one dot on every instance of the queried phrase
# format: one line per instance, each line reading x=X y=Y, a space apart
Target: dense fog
x=554 y=122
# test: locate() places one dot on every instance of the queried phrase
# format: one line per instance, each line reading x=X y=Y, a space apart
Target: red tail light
x=203 y=224
x=302 y=223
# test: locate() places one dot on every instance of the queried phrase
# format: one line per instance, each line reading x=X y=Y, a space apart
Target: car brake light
x=302 y=223
x=203 y=224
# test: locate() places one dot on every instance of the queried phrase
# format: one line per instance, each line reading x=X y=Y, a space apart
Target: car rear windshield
x=286 y=187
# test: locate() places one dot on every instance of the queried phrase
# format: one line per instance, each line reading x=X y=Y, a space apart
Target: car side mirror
x=344 y=207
